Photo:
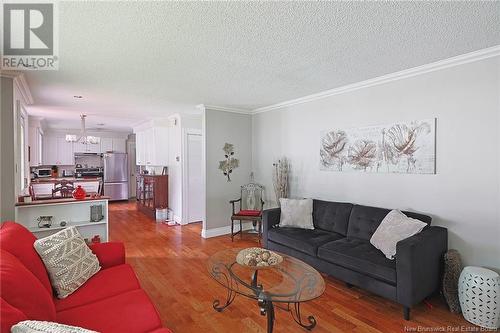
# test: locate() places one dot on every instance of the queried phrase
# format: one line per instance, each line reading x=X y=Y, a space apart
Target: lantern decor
x=230 y=163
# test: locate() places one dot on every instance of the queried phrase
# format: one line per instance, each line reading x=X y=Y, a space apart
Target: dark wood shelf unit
x=152 y=193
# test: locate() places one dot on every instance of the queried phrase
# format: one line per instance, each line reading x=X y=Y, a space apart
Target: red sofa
x=110 y=301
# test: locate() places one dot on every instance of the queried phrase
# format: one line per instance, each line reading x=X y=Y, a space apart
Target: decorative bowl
x=258 y=258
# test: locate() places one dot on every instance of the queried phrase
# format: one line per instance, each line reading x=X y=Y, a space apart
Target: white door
x=131 y=146
x=194 y=180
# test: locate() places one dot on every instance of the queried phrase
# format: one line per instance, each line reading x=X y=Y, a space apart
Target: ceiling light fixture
x=83 y=138
x=78 y=96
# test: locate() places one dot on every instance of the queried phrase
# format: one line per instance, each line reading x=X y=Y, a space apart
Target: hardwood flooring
x=171 y=265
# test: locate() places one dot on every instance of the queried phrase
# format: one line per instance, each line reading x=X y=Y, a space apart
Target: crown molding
x=434 y=66
x=226 y=109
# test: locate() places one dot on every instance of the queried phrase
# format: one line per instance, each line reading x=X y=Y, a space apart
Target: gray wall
x=7 y=160
x=463 y=196
x=221 y=127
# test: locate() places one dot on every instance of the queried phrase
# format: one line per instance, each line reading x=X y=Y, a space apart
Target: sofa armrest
x=109 y=254
x=270 y=218
x=419 y=262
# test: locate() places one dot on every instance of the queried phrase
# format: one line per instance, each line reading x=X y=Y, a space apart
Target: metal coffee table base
x=267 y=307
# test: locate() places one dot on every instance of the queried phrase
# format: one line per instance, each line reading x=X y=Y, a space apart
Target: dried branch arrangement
x=280 y=178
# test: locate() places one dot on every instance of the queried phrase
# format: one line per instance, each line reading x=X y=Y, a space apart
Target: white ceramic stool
x=479 y=293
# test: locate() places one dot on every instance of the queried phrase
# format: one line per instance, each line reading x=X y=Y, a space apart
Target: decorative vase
x=79 y=193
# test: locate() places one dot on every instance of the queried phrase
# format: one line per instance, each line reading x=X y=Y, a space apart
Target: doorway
x=193 y=185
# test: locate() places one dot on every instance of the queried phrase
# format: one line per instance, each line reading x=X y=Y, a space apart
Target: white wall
x=175 y=168
x=463 y=196
x=221 y=127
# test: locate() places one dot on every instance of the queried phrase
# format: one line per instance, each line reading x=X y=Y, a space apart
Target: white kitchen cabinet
x=56 y=151
x=35 y=143
x=119 y=145
x=106 y=145
x=151 y=146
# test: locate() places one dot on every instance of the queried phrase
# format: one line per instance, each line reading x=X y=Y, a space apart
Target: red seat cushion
x=9 y=316
x=249 y=212
x=21 y=289
x=18 y=240
x=128 y=312
x=106 y=283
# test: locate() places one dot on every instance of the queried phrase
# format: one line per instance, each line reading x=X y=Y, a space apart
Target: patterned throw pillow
x=68 y=260
x=35 y=326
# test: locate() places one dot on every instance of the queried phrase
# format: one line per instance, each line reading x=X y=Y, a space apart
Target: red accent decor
x=79 y=193
x=110 y=301
x=249 y=212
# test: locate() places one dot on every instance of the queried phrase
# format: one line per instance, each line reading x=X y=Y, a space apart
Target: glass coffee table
x=284 y=286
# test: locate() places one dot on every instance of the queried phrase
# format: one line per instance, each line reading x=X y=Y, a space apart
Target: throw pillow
x=296 y=213
x=35 y=326
x=69 y=261
x=395 y=227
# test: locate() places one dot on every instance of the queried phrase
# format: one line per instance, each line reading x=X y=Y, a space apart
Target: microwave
x=44 y=172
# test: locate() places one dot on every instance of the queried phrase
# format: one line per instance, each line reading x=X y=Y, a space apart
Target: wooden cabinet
x=152 y=193
x=152 y=146
x=56 y=151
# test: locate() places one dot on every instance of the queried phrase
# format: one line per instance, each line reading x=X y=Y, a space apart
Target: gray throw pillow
x=395 y=227
x=69 y=261
x=296 y=213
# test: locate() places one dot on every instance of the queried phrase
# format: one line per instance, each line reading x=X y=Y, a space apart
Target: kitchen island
x=72 y=211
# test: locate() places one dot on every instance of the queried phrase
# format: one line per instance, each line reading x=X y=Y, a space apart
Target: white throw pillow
x=296 y=213
x=395 y=227
x=69 y=261
x=35 y=326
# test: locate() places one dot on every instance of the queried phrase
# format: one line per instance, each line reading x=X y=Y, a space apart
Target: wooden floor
x=171 y=265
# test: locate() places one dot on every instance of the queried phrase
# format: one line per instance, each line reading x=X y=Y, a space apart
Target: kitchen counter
x=71 y=179
x=60 y=200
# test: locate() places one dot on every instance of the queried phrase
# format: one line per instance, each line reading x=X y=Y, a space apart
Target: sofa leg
x=406 y=313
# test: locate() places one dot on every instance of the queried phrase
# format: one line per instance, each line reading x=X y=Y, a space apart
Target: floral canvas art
x=405 y=147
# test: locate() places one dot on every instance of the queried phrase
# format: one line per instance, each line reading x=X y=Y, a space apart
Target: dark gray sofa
x=340 y=246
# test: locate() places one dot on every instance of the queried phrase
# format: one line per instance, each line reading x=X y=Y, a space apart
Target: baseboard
x=177 y=219
x=209 y=233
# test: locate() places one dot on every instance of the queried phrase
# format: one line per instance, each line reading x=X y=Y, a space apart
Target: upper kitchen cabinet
x=57 y=151
x=152 y=145
x=35 y=142
x=115 y=145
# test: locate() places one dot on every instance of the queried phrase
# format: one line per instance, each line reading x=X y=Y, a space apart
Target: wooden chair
x=250 y=208
x=63 y=189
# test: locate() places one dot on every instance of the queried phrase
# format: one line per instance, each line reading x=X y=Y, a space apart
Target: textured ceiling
x=132 y=60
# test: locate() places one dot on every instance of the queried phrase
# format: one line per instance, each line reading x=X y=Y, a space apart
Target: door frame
x=132 y=167
x=185 y=181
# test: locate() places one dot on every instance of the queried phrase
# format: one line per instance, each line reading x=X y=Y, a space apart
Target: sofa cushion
x=364 y=220
x=37 y=326
x=128 y=312
x=10 y=316
x=303 y=240
x=17 y=240
x=106 y=283
x=22 y=290
x=331 y=216
x=360 y=256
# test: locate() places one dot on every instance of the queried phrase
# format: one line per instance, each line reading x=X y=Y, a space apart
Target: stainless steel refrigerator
x=116 y=175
